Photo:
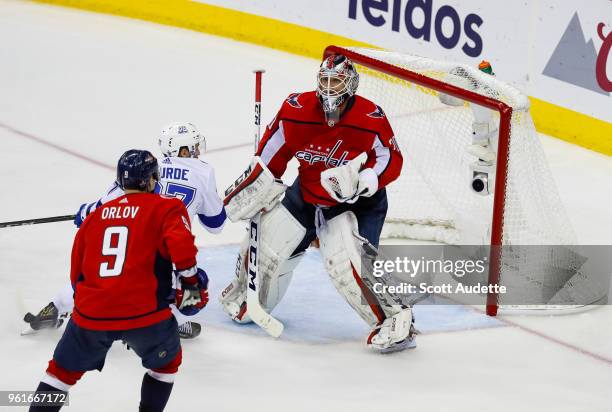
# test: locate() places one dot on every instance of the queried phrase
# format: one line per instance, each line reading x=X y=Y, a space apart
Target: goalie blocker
x=255 y=190
x=343 y=230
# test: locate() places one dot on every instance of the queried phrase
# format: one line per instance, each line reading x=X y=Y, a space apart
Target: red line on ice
x=57 y=147
x=90 y=159
x=559 y=342
x=542 y=335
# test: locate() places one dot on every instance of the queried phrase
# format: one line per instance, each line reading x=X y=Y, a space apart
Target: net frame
x=505 y=114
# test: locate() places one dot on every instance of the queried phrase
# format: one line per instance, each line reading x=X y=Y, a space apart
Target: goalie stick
x=257 y=313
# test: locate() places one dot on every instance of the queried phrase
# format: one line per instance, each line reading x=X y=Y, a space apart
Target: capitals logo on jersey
x=292 y=100
x=314 y=155
x=378 y=113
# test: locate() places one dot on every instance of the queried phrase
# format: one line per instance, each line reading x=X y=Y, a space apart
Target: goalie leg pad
x=273 y=287
x=233 y=297
x=276 y=264
x=341 y=247
x=255 y=190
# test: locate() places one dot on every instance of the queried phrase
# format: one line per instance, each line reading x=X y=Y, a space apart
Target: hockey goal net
x=433 y=199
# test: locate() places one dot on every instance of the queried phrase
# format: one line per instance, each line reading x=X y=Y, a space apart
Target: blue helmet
x=135 y=168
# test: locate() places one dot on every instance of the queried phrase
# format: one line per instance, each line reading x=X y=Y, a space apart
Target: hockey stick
x=254 y=309
x=37 y=221
x=258 y=74
x=262 y=318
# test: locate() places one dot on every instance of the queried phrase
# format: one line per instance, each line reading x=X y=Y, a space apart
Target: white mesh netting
x=433 y=199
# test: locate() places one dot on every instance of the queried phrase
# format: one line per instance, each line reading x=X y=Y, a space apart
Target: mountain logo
x=575 y=60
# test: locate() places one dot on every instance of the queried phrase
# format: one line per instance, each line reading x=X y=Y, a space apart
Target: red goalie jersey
x=122 y=261
x=299 y=129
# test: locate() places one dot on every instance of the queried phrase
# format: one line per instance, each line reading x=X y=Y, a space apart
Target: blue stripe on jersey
x=88 y=211
x=213 y=222
x=115 y=187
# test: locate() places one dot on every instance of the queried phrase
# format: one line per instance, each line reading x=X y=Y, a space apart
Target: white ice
x=77 y=87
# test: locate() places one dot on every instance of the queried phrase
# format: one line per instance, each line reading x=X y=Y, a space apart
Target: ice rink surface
x=77 y=89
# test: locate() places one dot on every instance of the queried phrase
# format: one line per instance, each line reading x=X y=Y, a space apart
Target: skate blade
x=28 y=331
x=406 y=344
x=41 y=326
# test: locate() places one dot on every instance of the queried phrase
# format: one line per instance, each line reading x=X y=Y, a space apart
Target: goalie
x=347 y=155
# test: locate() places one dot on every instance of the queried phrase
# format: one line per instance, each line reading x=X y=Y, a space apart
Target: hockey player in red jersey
x=347 y=154
x=182 y=175
x=121 y=272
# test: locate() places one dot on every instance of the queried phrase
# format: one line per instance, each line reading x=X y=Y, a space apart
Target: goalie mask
x=177 y=135
x=337 y=81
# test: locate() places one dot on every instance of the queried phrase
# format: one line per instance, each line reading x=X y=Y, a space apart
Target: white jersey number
x=114 y=244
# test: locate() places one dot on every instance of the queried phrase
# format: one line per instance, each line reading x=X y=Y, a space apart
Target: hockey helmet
x=177 y=135
x=135 y=168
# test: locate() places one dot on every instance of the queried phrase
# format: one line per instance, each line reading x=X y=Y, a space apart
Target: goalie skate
x=395 y=334
x=408 y=343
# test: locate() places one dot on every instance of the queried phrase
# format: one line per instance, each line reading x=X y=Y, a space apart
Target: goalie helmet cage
x=432 y=200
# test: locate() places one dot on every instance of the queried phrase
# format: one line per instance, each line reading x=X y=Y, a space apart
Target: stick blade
x=264 y=320
x=271 y=325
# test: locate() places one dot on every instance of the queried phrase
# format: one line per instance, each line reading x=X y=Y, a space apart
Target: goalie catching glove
x=192 y=291
x=347 y=182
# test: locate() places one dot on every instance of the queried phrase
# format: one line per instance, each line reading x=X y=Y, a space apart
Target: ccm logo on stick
x=418 y=17
x=253 y=256
x=238 y=181
x=249 y=175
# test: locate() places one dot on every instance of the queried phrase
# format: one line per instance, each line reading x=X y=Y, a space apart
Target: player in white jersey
x=182 y=175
